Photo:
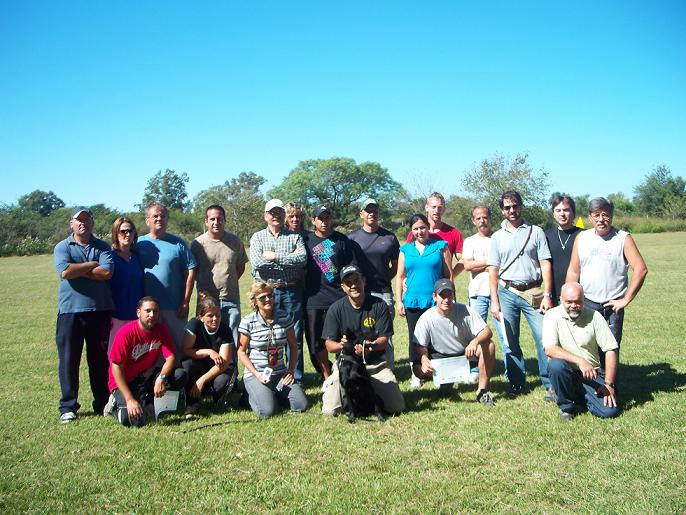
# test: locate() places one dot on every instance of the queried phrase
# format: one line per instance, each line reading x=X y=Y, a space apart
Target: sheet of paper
x=451 y=370
x=168 y=402
x=503 y=333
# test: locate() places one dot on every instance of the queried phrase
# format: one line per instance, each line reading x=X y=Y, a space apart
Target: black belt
x=520 y=286
x=283 y=285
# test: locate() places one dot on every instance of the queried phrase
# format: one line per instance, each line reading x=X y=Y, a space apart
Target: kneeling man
x=453 y=329
x=360 y=314
x=572 y=335
x=135 y=379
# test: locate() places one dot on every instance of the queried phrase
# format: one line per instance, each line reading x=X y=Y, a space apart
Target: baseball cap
x=319 y=210
x=369 y=202
x=443 y=285
x=350 y=269
x=80 y=210
x=275 y=202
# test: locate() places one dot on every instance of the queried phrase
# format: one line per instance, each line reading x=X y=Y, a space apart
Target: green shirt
x=580 y=337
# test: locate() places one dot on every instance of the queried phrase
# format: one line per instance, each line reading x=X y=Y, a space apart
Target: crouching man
x=572 y=335
x=453 y=329
x=368 y=318
x=135 y=378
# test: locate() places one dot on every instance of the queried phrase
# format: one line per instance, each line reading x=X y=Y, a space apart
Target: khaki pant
x=384 y=384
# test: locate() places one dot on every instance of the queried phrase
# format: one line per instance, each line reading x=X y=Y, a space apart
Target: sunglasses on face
x=126 y=231
x=513 y=207
x=263 y=298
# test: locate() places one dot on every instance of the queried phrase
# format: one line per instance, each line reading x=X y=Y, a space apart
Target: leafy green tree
x=657 y=186
x=42 y=202
x=242 y=200
x=340 y=184
x=622 y=205
x=491 y=177
x=169 y=188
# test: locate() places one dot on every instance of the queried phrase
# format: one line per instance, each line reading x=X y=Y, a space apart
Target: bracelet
x=549 y=295
x=611 y=385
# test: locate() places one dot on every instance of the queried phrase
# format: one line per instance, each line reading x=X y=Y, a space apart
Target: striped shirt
x=262 y=336
x=291 y=256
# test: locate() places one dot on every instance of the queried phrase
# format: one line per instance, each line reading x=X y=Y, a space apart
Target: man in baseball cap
x=453 y=329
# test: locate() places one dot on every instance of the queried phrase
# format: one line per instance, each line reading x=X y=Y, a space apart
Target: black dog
x=357 y=395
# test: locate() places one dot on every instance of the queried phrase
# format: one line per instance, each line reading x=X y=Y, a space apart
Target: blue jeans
x=512 y=307
x=614 y=320
x=231 y=313
x=290 y=301
x=571 y=388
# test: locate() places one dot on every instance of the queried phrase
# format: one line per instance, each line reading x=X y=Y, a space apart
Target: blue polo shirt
x=82 y=294
x=164 y=261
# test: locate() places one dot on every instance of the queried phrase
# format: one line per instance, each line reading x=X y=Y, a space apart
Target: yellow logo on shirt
x=369 y=322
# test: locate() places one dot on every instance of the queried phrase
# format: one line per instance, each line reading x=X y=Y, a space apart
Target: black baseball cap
x=442 y=285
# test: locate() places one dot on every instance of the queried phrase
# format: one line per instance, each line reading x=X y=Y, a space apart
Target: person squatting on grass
x=127 y=277
x=453 y=329
x=208 y=349
x=572 y=337
x=134 y=378
x=367 y=319
x=264 y=334
x=84 y=265
x=600 y=262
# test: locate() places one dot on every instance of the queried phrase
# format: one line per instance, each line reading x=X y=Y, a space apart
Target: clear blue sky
x=97 y=96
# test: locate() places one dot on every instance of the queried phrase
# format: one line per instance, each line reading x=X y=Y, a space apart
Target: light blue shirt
x=165 y=262
x=506 y=243
x=422 y=271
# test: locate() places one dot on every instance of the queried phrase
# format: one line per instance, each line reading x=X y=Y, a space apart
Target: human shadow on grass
x=638 y=383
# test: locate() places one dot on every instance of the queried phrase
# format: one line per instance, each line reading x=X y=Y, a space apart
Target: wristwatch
x=164 y=379
x=549 y=295
x=611 y=385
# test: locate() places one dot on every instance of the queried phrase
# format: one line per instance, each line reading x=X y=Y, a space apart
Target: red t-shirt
x=446 y=233
x=136 y=350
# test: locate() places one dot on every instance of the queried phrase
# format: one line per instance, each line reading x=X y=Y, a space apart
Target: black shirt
x=205 y=340
x=325 y=259
x=561 y=257
x=371 y=321
x=379 y=248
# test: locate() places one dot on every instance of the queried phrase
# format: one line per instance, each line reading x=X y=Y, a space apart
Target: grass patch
x=443 y=455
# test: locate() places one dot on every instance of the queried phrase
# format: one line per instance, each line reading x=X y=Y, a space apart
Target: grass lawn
x=442 y=455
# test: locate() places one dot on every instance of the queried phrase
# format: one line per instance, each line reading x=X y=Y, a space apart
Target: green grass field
x=442 y=455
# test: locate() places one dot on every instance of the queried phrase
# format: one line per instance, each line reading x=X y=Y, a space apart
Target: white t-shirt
x=450 y=334
x=476 y=248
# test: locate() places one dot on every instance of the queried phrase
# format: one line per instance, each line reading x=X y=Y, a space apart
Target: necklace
x=563 y=245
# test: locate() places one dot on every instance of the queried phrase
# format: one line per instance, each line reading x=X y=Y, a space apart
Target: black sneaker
x=485 y=397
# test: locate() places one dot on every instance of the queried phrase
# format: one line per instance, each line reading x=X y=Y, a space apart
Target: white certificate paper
x=168 y=402
x=451 y=370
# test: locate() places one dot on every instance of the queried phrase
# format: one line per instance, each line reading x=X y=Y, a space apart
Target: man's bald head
x=572 y=299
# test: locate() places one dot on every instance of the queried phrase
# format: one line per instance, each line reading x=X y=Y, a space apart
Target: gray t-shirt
x=450 y=334
x=506 y=244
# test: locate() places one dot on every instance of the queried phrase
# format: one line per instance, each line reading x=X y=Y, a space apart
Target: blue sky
x=97 y=96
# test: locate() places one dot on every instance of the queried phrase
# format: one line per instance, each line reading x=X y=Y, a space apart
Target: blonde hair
x=256 y=288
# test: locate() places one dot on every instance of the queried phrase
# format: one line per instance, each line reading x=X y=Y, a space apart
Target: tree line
x=38 y=220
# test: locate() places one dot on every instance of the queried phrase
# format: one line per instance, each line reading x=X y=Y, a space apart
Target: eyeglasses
x=513 y=207
x=601 y=216
x=263 y=298
x=126 y=231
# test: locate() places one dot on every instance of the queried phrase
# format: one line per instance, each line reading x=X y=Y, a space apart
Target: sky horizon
x=98 y=97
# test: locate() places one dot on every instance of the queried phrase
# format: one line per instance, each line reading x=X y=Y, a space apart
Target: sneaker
x=415 y=383
x=550 y=396
x=223 y=403
x=191 y=411
x=67 y=417
x=108 y=410
x=566 y=416
x=485 y=397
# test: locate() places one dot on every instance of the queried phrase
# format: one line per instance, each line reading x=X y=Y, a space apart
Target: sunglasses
x=513 y=207
x=263 y=298
x=126 y=231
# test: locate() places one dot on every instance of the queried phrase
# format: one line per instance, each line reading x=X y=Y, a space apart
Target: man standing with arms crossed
x=278 y=257
x=84 y=264
x=168 y=271
x=518 y=262
x=381 y=248
x=561 y=239
x=601 y=258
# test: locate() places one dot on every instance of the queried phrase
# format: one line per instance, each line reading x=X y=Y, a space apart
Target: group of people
x=320 y=290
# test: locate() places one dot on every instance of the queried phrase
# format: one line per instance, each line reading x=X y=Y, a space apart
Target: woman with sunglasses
x=420 y=264
x=127 y=278
x=264 y=335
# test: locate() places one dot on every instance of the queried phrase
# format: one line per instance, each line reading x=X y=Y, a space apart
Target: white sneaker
x=66 y=418
x=108 y=410
x=415 y=383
